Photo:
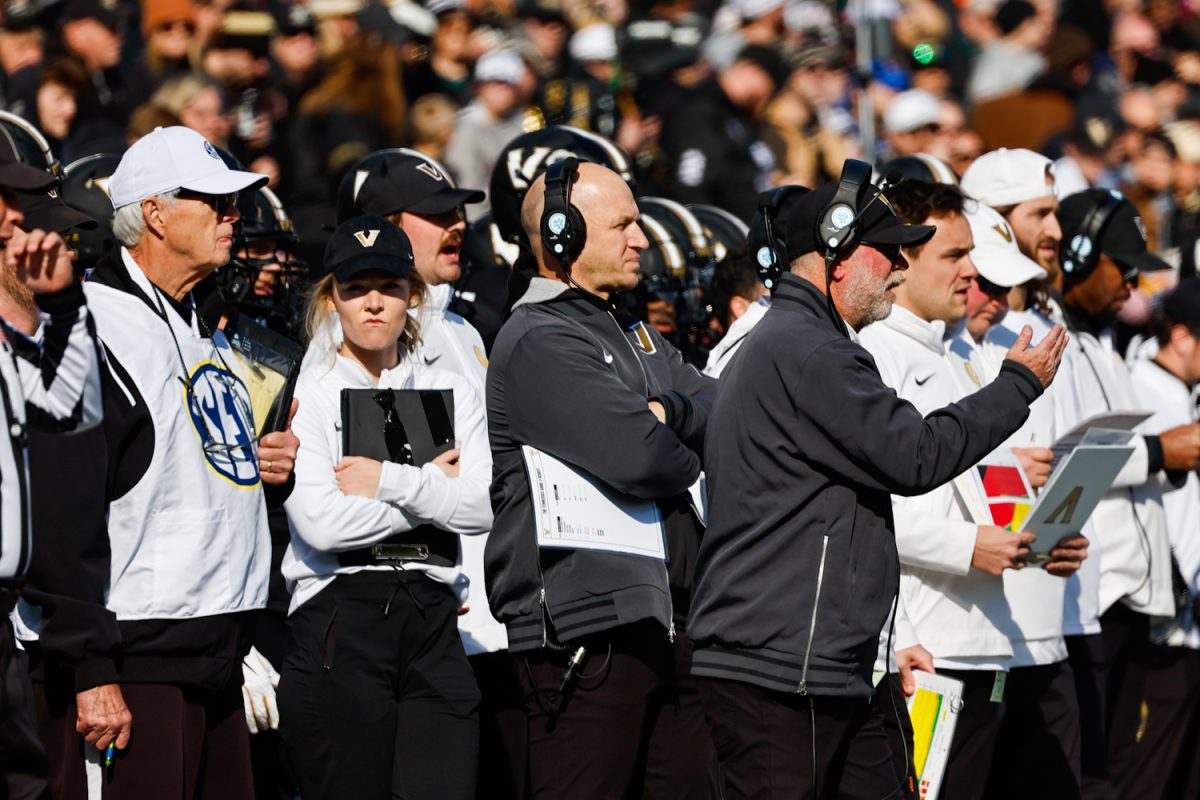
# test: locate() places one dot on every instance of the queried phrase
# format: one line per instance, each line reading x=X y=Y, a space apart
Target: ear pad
x=562 y=226
x=836 y=228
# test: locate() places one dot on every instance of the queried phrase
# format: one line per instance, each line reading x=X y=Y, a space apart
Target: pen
x=108 y=753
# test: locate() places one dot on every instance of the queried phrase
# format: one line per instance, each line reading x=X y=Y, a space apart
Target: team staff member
x=794 y=586
x=1103 y=252
x=955 y=564
x=608 y=395
x=1165 y=760
x=48 y=382
x=186 y=517
x=415 y=192
x=377 y=699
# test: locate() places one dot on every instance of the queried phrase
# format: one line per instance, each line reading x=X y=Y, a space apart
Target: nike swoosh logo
x=925 y=380
x=608 y=359
x=429 y=359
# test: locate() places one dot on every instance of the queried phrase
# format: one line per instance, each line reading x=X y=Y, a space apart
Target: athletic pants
x=1166 y=759
x=22 y=758
x=377 y=699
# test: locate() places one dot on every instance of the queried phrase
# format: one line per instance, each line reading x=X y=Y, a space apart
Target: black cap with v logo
x=411 y=183
x=368 y=244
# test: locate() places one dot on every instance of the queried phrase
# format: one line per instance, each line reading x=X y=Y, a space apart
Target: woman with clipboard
x=378 y=699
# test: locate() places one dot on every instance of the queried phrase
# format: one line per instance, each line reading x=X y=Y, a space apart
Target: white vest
x=449 y=342
x=190 y=538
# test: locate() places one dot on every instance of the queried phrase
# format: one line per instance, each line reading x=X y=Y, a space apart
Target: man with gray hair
x=182 y=483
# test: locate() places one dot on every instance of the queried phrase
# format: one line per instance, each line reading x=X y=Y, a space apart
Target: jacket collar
x=797 y=291
x=566 y=299
x=928 y=334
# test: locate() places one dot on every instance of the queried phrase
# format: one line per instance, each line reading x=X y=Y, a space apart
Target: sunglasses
x=990 y=289
x=168 y=27
x=219 y=203
x=889 y=251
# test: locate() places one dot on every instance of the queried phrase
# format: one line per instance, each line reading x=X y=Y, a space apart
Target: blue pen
x=108 y=753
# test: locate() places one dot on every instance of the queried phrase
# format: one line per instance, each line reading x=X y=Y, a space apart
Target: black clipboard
x=271 y=365
x=405 y=426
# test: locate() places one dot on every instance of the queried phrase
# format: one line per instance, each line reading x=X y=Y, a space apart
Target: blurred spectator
x=808 y=128
x=1010 y=63
x=238 y=58
x=168 y=35
x=431 y=125
x=447 y=70
x=146 y=118
x=490 y=122
x=60 y=85
x=911 y=124
x=1150 y=189
x=713 y=141
x=295 y=57
x=544 y=27
x=1085 y=157
x=22 y=47
x=93 y=34
x=197 y=102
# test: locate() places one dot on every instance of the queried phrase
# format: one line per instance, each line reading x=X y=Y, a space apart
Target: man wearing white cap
x=1040 y=726
x=911 y=124
x=183 y=482
x=954 y=558
x=492 y=120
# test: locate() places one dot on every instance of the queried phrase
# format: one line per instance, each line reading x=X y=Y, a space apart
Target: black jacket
x=798 y=568
x=566 y=377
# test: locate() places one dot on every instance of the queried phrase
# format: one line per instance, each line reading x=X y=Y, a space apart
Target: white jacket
x=721 y=356
x=1035 y=597
x=325 y=522
x=451 y=343
x=958 y=614
x=1173 y=405
x=1129 y=522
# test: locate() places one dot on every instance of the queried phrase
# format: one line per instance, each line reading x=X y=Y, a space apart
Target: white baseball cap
x=996 y=254
x=504 y=66
x=753 y=9
x=175 y=158
x=910 y=110
x=595 y=42
x=1007 y=177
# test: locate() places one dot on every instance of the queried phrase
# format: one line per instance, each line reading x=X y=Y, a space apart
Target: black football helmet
x=85 y=189
x=45 y=210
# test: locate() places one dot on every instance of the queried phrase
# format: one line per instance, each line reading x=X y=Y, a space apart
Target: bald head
x=613 y=240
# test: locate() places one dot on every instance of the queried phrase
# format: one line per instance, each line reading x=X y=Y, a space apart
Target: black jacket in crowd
x=569 y=377
x=798 y=569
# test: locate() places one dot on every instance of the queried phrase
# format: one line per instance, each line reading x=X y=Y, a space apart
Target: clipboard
x=404 y=426
x=270 y=366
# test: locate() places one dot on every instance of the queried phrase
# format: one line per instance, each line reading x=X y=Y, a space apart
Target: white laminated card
x=572 y=509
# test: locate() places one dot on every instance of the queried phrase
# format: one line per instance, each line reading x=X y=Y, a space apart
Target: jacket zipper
x=812 y=625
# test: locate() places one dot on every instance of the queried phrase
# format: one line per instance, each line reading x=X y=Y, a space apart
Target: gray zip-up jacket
x=569 y=377
x=798 y=567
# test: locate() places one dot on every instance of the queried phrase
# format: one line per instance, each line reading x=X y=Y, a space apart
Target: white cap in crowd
x=1006 y=177
x=175 y=158
x=504 y=66
x=753 y=9
x=910 y=110
x=595 y=42
x=996 y=254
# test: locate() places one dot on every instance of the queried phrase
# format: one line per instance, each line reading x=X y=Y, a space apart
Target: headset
x=1081 y=254
x=562 y=226
x=772 y=254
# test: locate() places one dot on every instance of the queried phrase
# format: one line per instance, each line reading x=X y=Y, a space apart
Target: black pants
x=22 y=758
x=1126 y=645
x=186 y=743
x=1040 y=732
x=377 y=698
x=975 y=736
x=1085 y=654
x=774 y=746
x=503 y=728
x=631 y=726
x=1166 y=760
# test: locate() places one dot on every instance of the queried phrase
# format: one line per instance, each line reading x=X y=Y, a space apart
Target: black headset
x=562 y=226
x=772 y=255
x=837 y=227
x=1080 y=255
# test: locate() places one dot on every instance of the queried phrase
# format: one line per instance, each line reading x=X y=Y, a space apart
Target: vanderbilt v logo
x=1004 y=231
x=367 y=238
x=430 y=171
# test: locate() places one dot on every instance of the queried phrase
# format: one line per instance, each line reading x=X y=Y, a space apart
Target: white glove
x=258 y=692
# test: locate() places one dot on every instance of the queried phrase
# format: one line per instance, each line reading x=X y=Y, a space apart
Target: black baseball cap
x=369 y=243
x=411 y=183
x=794 y=224
x=46 y=210
x=1123 y=237
x=14 y=174
x=106 y=12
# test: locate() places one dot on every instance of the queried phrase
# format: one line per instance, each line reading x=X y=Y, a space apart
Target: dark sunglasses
x=992 y=290
x=166 y=27
x=219 y=203
x=889 y=251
